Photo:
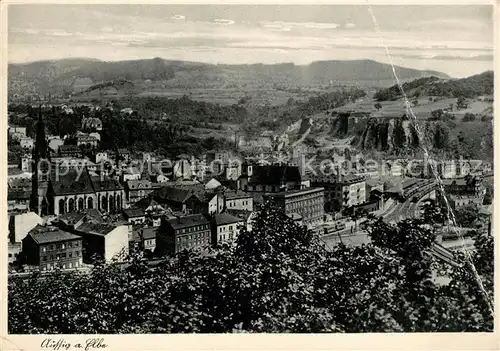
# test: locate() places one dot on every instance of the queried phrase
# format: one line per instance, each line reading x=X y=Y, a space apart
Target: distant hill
x=477 y=85
x=48 y=76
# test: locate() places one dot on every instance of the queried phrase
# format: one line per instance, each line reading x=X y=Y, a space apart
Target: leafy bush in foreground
x=278 y=278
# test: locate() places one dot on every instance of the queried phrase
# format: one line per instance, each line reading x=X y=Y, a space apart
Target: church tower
x=41 y=168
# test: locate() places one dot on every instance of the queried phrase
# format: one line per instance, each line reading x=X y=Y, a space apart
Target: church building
x=60 y=190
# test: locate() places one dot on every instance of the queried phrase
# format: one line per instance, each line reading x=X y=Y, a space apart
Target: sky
x=456 y=40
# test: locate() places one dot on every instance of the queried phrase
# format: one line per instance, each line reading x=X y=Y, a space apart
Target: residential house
x=70 y=151
x=18 y=200
x=27 y=143
x=16 y=133
x=341 y=191
x=137 y=189
x=238 y=200
x=457 y=201
x=14 y=250
x=270 y=178
x=91 y=124
x=103 y=240
x=48 y=247
x=247 y=217
x=308 y=204
x=86 y=141
x=134 y=215
x=145 y=238
x=26 y=163
x=173 y=197
x=183 y=233
x=225 y=228
x=153 y=211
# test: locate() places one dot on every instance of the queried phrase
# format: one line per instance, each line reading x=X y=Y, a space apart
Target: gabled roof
x=187 y=221
x=45 y=235
x=96 y=228
x=236 y=195
x=71 y=183
x=105 y=183
x=174 y=194
x=145 y=203
x=133 y=212
x=204 y=196
x=226 y=218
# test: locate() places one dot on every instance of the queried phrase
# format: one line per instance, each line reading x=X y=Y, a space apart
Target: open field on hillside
x=422 y=110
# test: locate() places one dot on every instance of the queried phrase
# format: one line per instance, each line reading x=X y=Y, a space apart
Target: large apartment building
x=342 y=191
x=305 y=205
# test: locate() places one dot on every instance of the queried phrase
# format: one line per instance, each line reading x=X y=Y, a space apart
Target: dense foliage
x=278 y=278
x=480 y=84
x=394 y=92
x=183 y=109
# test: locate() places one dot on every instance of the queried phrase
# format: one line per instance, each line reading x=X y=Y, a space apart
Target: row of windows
x=149 y=242
x=61 y=255
x=187 y=238
x=232 y=203
x=60 y=246
x=229 y=236
x=63 y=266
x=221 y=229
x=192 y=229
x=193 y=243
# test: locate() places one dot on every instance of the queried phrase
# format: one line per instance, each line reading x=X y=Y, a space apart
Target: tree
x=469 y=117
x=277 y=278
x=378 y=106
x=437 y=114
x=441 y=135
x=461 y=102
x=467 y=216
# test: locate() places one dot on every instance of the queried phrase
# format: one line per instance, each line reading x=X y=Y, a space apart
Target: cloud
x=349 y=25
x=59 y=33
x=464 y=58
x=456 y=57
x=288 y=26
x=224 y=22
x=178 y=17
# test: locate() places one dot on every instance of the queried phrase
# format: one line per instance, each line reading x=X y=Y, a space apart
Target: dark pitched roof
x=236 y=195
x=149 y=233
x=174 y=194
x=96 y=228
x=275 y=175
x=226 y=218
x=44 y=235
x=133 y=212
x=187 y=221
x=204 y=196
x=18 y=194
x=71 y=218
x=145 y=203
x=71 y=183
x=105 y=183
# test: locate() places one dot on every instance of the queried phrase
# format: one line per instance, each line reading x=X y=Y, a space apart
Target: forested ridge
x=473 y=86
